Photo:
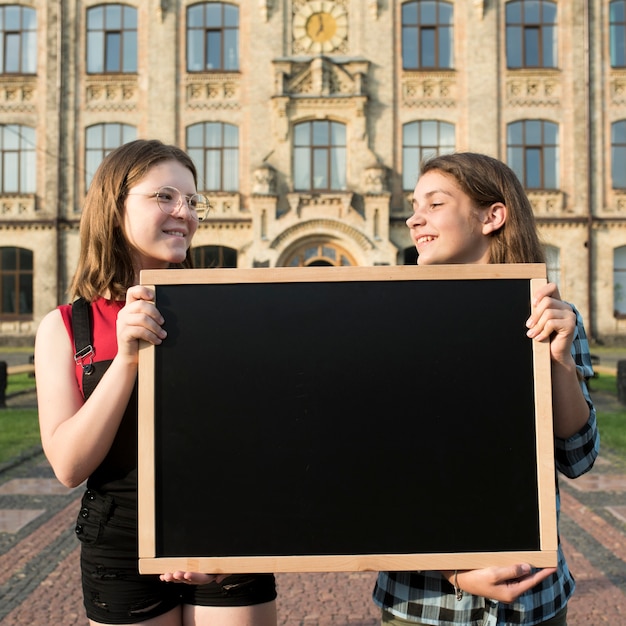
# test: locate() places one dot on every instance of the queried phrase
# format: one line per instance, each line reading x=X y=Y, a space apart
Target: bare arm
x=77 y=434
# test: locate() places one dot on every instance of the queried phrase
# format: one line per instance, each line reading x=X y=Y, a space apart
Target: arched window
x=17 y=159
x=427 y=35
x=214 y=148
x=18 y=40
x=531 y=31
x=319 y=156
x=111 y=39
x=212 y=37
x=320 y=254
x=618 y=154
x=214 y=256
x=617 y=32
x=16 y=277
x=533 y=153
x=100 y=139
x=422 y=140
x=619 y=282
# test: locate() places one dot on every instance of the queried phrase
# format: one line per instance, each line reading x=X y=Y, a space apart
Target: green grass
x=612 y=424
x=20 y=382
x=19 y=432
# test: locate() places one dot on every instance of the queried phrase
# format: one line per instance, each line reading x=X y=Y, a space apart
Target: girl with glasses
x=141 y=212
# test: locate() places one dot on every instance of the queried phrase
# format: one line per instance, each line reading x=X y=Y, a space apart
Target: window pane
x=29 y=19
x=12 y=42
x=95 y=52
x=618 y=169
x=550 y=180
x=111 y=136
x=231 y=170
x=25 y=259
x=445 y=13
x=409 y=48
x=429 y=133
x=231 y=136
x=130 y=18
x=8 y=293
x=231 y=45
x=515 y=160
x=320 y=134
x=12 y=17
x=213 y=50
x=25 y=294
x=533 y=168
x=410 y=168
x=129 y=46
x=195 y=56
x=337 y=134
x=531 y=47
x=616 y=11
x=10 y=172
x=195 y=136
x=213 y=14
x=409 y=13
x=410 y=134
x=533 y=132
x=320 y=169
x=445 y=47
x=514 y=46
x=427 y=47
x=213 y=135
x=513 y=12
x=28 y=183
x=550 y=133
x=95 y=18
x=532 y=11
x=213 y=171
x=549 y=12
x=231 y=15
x=618 y=132
x=338 y=168
x=29 y=52
x=301 y=134
x=113 y=41
x=446 y=135
x=113 y=17
x=94 y=136
x=428 y=12
x=549 y=46
x=302 y=168
x=9 y=259
x=194 y=16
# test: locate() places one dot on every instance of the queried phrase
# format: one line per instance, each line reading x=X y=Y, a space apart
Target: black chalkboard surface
x=345 y=419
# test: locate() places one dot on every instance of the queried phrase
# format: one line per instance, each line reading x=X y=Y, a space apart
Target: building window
x=212 y=37
x=319 y=156
x=617 y=33
x=619 y=282
x=427 y=35
x=320 y=254
x=533 y=153
x=18 y=40
x=101 y=139
x=17 y=159
x=618 y=154
x=214 y=256
x=531 y=33
x=111 y=39
x=214 y=148
x=422 y=140
x=553 y=264
x=16 y=276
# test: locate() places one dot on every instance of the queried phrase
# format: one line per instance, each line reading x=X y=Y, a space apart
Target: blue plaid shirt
x=429 y=598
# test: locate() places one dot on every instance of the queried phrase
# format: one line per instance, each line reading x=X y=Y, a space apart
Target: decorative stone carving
x=212 y=91
x=375 y=179
x=533 y=90
x=264 y=180
x=547 y=203
x=421 y=89
x=18 y=94
x=111 y=94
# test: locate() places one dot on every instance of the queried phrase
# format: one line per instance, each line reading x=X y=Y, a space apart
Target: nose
x=183 y=201
x=415 y=219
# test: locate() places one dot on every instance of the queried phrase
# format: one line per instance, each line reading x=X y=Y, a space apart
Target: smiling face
x=158 y=239
x=446 y=227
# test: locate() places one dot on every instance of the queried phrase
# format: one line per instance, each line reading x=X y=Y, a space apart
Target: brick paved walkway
x=39 y=573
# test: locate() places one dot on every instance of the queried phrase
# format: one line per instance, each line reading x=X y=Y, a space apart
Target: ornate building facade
x=307 y=120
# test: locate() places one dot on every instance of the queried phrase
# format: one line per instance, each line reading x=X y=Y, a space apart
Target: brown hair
x=487 y=180
x=106 y=261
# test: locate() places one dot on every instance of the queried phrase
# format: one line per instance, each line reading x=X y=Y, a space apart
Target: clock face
x=319 y=26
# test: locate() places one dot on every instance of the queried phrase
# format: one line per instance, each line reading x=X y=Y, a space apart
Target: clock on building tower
x=319 y=26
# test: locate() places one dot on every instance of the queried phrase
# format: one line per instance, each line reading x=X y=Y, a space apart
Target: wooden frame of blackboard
x=406 y=474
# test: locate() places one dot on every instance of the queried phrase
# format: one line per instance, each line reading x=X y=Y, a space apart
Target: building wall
x=360 y=83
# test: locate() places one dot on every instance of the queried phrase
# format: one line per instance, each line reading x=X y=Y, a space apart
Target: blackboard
x=324 y=419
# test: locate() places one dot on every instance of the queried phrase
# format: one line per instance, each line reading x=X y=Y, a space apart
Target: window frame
x=208 y=154
x=18 y=274
x=424 y=149
x=618 y=145
x=22 y=157
x=527 y=148
x=617 y=26
x=20 y=38
x=546 y=36
x=125 y=133
x=308 y=158
x=224 y=32
x=110 y=50
x=414 y=32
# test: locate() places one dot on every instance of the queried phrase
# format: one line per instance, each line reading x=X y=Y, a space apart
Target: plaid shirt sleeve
x=428 y=598
x=576 y=455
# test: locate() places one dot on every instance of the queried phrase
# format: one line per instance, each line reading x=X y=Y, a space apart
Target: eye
x=193 y=202
x=165 y=195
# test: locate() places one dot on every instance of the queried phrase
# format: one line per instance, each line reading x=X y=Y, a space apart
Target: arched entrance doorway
x=319 y=254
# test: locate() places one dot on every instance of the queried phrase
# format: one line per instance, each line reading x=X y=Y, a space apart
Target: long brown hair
x=105 y=263
x=487 y=180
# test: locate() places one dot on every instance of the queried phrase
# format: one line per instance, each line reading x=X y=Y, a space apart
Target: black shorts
x=114 y=592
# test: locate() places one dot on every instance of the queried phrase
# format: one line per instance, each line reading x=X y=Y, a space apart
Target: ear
x=494 y=218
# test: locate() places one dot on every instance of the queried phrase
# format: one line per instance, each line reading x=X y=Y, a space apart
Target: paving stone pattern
x=39 y=571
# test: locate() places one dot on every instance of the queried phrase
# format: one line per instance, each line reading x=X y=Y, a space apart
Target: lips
x=422 y=239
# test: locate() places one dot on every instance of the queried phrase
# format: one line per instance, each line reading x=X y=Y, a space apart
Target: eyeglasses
x=170 y=199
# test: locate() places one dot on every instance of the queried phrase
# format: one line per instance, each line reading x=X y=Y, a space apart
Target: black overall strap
x=84 y=355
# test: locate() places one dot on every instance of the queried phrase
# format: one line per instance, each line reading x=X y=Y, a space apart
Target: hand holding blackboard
x=308 y=458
